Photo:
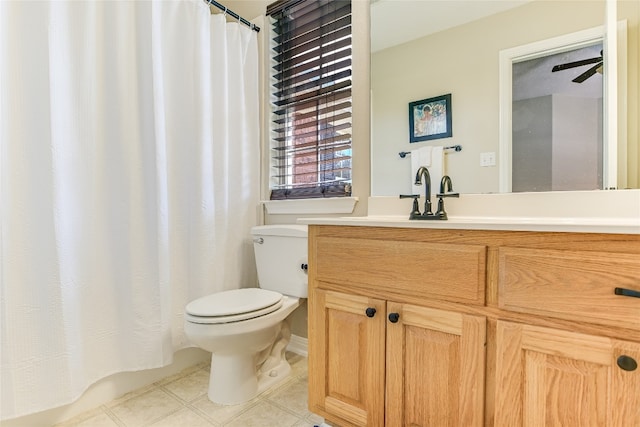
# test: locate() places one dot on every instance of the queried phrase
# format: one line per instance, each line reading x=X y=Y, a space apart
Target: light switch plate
x=488 y=159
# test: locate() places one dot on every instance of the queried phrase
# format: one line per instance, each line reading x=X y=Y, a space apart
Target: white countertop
x=579 y=212
x=581 y=225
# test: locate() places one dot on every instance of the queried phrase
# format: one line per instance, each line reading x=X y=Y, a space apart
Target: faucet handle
x=448 y=195
x=415 y=210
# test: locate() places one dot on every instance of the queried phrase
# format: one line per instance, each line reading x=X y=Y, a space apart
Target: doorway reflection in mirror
x=557 y=123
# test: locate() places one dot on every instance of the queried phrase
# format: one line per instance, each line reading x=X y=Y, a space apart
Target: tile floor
x=181 y=400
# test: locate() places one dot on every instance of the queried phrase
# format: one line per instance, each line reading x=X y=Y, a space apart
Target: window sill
x=330 y=205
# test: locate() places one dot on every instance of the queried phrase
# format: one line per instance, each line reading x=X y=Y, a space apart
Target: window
x=311 y=99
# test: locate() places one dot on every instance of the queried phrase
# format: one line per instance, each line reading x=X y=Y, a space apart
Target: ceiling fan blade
x=575 y=64
x=590 y=72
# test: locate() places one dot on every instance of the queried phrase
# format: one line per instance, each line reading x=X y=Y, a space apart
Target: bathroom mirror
x=424 y=49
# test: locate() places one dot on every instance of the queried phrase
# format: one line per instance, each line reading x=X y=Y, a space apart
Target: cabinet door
x=549 y=377
x=435 y=367
x=346 y=358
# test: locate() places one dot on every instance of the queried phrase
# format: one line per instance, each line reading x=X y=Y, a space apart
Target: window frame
x=280 y=184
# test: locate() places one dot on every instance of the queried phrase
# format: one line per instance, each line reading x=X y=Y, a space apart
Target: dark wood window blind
x=311 y=99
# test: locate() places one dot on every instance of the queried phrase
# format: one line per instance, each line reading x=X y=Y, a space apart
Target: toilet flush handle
x=258 y=240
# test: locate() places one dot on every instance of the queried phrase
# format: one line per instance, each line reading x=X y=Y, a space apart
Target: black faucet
x=423 y=171
x=446 y=190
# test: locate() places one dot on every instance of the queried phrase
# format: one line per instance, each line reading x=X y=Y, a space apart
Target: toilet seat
x=233 y=306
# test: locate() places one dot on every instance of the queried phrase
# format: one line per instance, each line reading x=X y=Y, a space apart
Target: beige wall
x=464 y=61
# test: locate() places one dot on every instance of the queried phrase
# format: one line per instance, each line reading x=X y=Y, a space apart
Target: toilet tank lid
x=293 y=230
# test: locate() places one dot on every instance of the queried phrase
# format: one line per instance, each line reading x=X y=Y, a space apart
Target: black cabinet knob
x=627 y=363
x=370 y=312
x=394 y=317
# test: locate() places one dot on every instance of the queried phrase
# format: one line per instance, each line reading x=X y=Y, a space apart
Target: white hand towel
x=419 y=157
x=436 y=169
x=433 y=159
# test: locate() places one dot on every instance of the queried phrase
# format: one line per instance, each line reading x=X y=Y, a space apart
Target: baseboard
x=298 y=345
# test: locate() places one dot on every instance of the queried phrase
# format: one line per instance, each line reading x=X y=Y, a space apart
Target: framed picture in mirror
x=430 y=118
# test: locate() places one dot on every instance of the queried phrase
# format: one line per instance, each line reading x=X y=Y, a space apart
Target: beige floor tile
x=264 y=414
x=286 y=382
x=316 y=419
x=130 y=395
x=220 y=413
x=305 y=423
x=183 y=373
x=184 y=417
x=292 y=397
x=298 y=364
x=100 y=420
x=190 y=387
x=146 y=408
x=95 y=417
x=162 y=403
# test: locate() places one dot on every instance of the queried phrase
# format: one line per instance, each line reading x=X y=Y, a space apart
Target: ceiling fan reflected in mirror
x=597 y=68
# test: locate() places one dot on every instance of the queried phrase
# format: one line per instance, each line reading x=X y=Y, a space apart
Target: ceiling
x=395 y=22
x=533 y=78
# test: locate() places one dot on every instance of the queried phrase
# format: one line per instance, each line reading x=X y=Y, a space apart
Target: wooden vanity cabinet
x=435 y=367
x=551 y=377
x=432 y=374
x=347 y=357
x=582 y=369
x=376 y=358
x=494 y=328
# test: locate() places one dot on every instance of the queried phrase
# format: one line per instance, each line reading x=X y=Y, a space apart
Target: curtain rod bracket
x=231 y=13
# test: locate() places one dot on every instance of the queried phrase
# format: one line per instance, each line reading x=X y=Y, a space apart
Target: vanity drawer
x=449 y=272
x=571 y=285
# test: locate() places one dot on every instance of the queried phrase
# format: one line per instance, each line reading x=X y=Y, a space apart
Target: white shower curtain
x=129 y=136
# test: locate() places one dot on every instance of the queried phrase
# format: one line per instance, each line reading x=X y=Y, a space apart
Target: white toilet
x=246 y=330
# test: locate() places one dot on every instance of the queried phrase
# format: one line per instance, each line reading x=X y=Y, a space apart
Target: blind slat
x=319 y=83
x=292 y=7
x=326 y=10
x=328 y=129
x=308 y=174
x=313 y=94
x=318 y=124
x=288 y=164
x=329 y=143
x=329 y=34
x=301 y=54
x=322 y=99
x=313 y=70
x=320 y=111
x=283 y=166
x=326 y=18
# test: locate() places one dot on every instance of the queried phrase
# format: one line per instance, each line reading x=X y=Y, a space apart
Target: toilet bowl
x=247 y=330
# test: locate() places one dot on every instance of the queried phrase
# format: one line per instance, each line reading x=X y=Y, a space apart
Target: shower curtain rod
x=254 y=27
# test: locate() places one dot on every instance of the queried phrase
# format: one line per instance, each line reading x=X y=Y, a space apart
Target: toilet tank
x=281 y=258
